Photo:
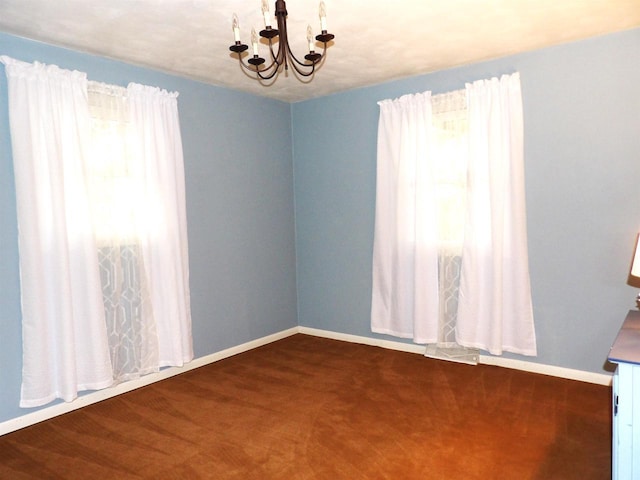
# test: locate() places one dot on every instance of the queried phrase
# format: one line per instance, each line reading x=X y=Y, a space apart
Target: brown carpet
x=312 y=408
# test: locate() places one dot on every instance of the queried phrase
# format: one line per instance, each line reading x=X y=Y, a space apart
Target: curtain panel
x=405 y=266
x=495 y=311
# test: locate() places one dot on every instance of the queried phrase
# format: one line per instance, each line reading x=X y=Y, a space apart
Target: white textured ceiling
x=376 y=40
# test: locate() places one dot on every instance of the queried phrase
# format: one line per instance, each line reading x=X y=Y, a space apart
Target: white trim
x=94 y=397
x=374 y=342
x=552 y=370
x=99 y=395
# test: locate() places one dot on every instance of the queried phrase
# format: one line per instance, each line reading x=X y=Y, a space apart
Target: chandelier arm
x=274 y=56
x=303 y=73
x=267 y=76
x=273 y=67
x=269 y=71
x=294 y=58
x=246 y=66
x=298 y=67
x=260 y=73
x=316 y=61
x=314 y=65
x=275 y=60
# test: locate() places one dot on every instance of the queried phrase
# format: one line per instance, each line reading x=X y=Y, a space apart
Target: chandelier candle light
x=284 y=56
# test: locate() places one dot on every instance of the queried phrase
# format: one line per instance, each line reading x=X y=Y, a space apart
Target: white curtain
x=495 y=311
x=154 y=116
x=81 y=258
x=412 y=256
x=405 y=256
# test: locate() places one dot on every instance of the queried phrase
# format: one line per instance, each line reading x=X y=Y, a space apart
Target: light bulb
x=254 y=41
x=236 y=28
x=265 y=13
x=310 y=38
x=323 y=17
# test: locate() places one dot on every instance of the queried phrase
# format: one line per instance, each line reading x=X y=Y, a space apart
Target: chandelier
x=283 y=57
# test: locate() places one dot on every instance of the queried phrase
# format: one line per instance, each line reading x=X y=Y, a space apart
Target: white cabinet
x=625 y=352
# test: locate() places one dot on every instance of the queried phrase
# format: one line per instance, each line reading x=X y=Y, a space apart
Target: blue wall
x=582 y=153
x=582 y=148
x=238 y=166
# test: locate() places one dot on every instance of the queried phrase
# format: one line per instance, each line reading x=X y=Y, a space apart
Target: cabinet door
x=615 y=434
x=626 y=410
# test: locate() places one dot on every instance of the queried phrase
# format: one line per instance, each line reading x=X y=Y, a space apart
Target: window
x=450 y=259
x=449 y=117
x=102 y=231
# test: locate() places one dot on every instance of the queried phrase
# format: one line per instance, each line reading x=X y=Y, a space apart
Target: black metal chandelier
x=284 y=56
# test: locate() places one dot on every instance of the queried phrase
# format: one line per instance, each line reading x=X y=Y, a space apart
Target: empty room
x=354 y=240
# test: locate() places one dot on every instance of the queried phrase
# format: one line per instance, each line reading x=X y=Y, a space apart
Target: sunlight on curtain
x=449 y=154
x=154 y=116
x=120 y=211
x=449 y=198
x=102 y=231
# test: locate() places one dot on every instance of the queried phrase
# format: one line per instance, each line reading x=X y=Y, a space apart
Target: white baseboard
x=374 y=342
x=568 y=373
x=552 y=370
x=99 y=395
x=94 y=397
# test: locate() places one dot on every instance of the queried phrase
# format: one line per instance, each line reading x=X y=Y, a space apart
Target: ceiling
x=376 y=40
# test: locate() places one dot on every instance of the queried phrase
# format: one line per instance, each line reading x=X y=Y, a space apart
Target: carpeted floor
x=313 y=408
